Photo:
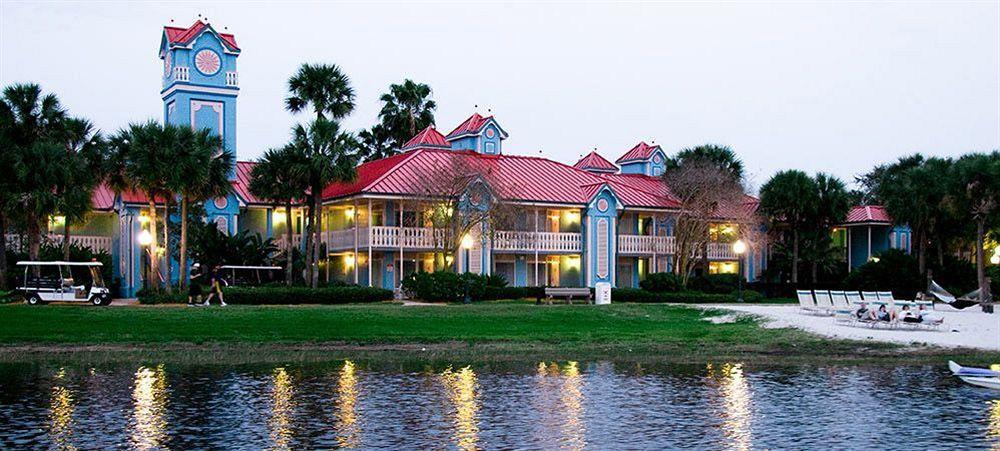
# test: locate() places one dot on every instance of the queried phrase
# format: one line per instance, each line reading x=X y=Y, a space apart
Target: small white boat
x=980 y=377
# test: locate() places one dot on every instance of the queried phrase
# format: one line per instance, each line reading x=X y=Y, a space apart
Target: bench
x=567 y=293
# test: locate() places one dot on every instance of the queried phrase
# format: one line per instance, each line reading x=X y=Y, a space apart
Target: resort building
x=537 y=221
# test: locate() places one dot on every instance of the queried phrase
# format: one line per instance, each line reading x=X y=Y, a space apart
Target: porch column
x=869 y=243
x=536 y=247
x=370 y=242
x=399 y=237
x=355 y=220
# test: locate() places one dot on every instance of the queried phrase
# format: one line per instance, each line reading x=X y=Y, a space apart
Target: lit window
x=722 y=268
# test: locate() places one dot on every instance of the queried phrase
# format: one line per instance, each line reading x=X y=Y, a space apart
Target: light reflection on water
x=61 y=410
x=149 y=398
x=541 y=405
x=281 y=409
x=348 y=429
x=461 y=388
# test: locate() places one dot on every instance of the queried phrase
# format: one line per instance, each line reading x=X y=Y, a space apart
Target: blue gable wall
x=482 y=142
x=593 y=218
x=652 y=166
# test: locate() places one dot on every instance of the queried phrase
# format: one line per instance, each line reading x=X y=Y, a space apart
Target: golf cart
x=64 y=281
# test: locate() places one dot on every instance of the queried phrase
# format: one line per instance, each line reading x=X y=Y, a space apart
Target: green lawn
x=511 y=328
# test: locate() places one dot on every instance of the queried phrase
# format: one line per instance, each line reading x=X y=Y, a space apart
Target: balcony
x=424 y=238
x=645 y=245
x=721 y=251
x=95 y=243
x=548 y=242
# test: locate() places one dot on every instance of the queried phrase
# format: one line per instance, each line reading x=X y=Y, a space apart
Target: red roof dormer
x=594 y=162
x=641 y=151
x=427 y=138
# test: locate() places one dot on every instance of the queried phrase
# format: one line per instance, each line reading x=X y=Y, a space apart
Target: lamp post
x=466 y=245
x=739 y=248
x=145 y=239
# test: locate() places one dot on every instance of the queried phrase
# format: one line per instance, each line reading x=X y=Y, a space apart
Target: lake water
x=568 y=405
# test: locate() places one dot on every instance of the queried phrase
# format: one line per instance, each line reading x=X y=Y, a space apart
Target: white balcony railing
x=645 y=245
x=279 y=240
x=721 y=251
x=95 y=243
x=232 y=79
x=541 y=241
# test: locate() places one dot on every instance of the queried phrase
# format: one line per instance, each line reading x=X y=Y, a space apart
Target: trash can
x=602 y=293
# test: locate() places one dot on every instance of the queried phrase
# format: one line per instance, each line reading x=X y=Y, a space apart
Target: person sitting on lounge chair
x=927 y=316
x=884 y=314
x=910 y=317
x=862 y=312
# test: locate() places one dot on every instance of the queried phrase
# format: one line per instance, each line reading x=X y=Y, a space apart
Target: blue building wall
x=600 y=225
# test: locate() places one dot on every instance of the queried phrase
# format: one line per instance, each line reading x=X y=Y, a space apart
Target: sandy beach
x=969 y=328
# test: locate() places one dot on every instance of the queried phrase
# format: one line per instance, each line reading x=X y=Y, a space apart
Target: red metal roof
x=428 y=137
x=473 y=124
x=641 y=151
x=177 y=35
x=520 y=178
x=595 y=162
x=241 y=185
x=103 y=197
x=867 y=213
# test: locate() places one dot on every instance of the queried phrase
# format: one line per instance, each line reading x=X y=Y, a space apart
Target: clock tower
x=200 y=85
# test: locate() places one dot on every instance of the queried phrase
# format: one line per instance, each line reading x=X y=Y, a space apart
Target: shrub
x=714 y=283
x=686 y=297
x=283 y=295
x=446 y=286
x=895 y=271
x=661 y=281
x=749 y=296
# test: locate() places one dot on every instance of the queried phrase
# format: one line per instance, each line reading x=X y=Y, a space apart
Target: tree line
x=55 y=161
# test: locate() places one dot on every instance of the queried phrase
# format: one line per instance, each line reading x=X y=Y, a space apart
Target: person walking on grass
x=215 y=287
x=194 y=286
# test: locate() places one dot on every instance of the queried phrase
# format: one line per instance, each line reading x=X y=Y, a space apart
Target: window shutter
x=602 y=247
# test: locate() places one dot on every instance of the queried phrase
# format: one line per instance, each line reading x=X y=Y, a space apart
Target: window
x=723 y=267
x=722 y=233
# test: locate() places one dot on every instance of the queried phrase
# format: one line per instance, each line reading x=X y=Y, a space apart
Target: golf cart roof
x=249 y=267
x=58 y=263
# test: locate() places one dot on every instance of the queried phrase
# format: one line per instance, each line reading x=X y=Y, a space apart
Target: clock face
x=207 y=62
x=167 y=64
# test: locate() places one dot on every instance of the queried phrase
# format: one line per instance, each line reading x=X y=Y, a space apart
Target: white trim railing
x=279 y=240
x=721 y=251
x=511 y=241
x=645 y=244
x=94 y=242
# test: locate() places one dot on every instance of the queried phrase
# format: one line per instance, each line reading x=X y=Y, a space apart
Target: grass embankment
x=482 y=331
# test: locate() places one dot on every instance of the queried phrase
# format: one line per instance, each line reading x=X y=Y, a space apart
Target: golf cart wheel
x=34 y=299
x=100 y=301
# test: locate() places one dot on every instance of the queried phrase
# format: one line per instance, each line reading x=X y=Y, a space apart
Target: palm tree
x=376 y=143
x=331 y=156
x=975 y=191
x=326 y=90
x=790 y=197
x=140 y=161
x=85 y=153
x=721 y=156
x=833 y=203
x=27 y=119
x=407 y=108
x=201 y=173
x=277 y=179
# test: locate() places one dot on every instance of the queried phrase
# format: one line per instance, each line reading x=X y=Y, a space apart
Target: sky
x=836 y=87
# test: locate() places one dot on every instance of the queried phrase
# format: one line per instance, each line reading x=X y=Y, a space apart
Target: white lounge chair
x=841 y=307
x=806 y=302
x=871 y=297
x=853 y=298
x=824 y=302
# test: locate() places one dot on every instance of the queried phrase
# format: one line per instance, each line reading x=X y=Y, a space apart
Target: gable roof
x=184 y=36
x=641 y=151
x=863 y=214
x=473 y=125
x=514 y=177
x=241 y=186
x=428 y=137
x=595 y=162
x=103 y=197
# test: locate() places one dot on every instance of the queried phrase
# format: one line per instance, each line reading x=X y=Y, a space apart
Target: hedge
x=447 y=286
x=637 y=295
x=284 y=296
